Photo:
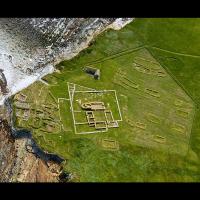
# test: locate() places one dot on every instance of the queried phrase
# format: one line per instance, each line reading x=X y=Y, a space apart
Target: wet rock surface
x=3 y=83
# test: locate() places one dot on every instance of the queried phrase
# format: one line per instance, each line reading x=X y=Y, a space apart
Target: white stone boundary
x=71 y=95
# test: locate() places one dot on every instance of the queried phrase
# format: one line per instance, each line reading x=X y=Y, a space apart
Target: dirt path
x=176 y=53
x=127 y=51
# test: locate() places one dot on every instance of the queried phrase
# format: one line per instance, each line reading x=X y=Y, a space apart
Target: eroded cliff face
x=17 y=164
x=30 y=48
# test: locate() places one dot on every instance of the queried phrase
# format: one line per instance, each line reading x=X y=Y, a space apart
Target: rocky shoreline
x=30 y=48
x=24 y=61
x=21 y=159
x=19 y=165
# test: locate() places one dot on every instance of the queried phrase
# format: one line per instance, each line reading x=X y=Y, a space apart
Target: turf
x=153 y=66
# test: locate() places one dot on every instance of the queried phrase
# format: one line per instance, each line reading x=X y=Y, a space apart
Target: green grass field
x=153 y=65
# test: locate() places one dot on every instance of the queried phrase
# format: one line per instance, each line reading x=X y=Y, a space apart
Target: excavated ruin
x=29 y=49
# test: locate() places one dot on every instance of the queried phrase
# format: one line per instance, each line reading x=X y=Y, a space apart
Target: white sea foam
x=17 y=80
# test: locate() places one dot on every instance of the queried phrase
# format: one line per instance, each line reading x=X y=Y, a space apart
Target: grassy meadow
x=153 y=64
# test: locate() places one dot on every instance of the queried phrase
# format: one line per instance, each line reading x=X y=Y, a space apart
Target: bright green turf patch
x=152 y=65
